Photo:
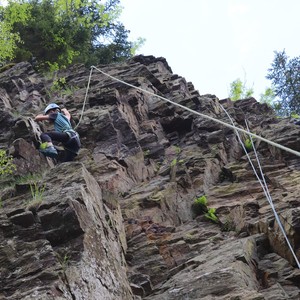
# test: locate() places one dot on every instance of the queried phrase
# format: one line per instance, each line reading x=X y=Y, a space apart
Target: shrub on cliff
x=7 y=166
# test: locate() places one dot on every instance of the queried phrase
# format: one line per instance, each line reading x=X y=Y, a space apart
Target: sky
x=211 y=43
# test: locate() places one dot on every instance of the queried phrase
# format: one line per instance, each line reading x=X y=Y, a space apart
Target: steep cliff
x=120 y=221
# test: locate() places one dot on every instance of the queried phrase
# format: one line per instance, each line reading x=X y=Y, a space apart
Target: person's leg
x=72 y=148
x=47 y=147
x=61 y=137
x=69 y=156
x=71 y=145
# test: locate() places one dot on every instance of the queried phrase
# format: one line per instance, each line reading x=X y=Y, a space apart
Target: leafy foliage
x=57 y=33
x=285 y=76
x=248 y=144
x=201 y=200
x=7 y=166
x=199 y=207
x=10 y=40
x=268 y=96
x=211 y=215
x=238 y=90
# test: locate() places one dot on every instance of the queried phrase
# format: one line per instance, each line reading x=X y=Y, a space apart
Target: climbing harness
x=74 y=144
x=232 y=126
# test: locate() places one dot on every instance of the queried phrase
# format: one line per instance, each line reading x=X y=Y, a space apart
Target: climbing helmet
x=51 y=106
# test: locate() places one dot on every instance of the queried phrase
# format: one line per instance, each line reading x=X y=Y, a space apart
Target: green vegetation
x=174 y=162
x=34 y=184
x=284 y=74
x=238 y=90
x=211 y=215
x=55 y=34
x=199 y=207
x=61 y=88
x=268 y=97
x=146 y=152
x=202 y=201
x=248 y=144
x=7 y=167
x=37 y=191
x=64 y=259
x=295 y=116
x=284 y=94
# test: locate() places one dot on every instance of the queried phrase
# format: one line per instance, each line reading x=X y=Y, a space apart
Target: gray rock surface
x=118 y=223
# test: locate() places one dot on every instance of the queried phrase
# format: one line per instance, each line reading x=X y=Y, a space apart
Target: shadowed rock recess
x=119 y=222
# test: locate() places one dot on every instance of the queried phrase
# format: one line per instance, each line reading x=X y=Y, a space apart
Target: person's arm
x=41 y=117
x=66 y=113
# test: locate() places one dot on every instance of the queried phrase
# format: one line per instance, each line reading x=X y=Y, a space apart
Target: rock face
x=120 y=221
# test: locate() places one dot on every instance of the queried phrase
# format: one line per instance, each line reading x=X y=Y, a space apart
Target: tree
x=238 y=90
x=285 y=76
x=268 y=96
x=9 y=40
x=60 y=32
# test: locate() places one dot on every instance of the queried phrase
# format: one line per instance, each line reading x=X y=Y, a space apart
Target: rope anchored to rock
x=188 y=109
x=232 y=126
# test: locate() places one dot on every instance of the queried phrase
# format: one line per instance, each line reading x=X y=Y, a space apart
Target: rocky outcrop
x=118 y=223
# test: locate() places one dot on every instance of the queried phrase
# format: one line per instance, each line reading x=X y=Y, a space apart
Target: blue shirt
x=61 y=123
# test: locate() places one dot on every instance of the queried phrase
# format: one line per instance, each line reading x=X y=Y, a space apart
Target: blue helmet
x=51 y=106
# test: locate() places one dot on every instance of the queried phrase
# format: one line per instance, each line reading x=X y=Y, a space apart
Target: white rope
x=85 y=98
x=268 y=195
x=203 y=115
x=236 y=129
x=263 y=184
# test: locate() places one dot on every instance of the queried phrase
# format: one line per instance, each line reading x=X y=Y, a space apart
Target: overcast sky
x=213 y=42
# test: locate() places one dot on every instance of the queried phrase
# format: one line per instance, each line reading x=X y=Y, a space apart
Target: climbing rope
x=232 y=126
x=263 y=183
x=190 y=110
x=86 y=93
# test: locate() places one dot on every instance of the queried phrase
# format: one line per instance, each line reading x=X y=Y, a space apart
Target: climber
x=63 y=132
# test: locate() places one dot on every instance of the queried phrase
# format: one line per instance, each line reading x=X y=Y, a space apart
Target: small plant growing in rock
x=201 y=200
x=248 y=144
x=174 y=162
x=199 y=205
x=146 y=152
x=37 y=191
x=211 y=215
x=7 y=167
x=64 y=260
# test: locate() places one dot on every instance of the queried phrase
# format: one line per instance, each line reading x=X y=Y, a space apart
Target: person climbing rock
x=63 y=133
